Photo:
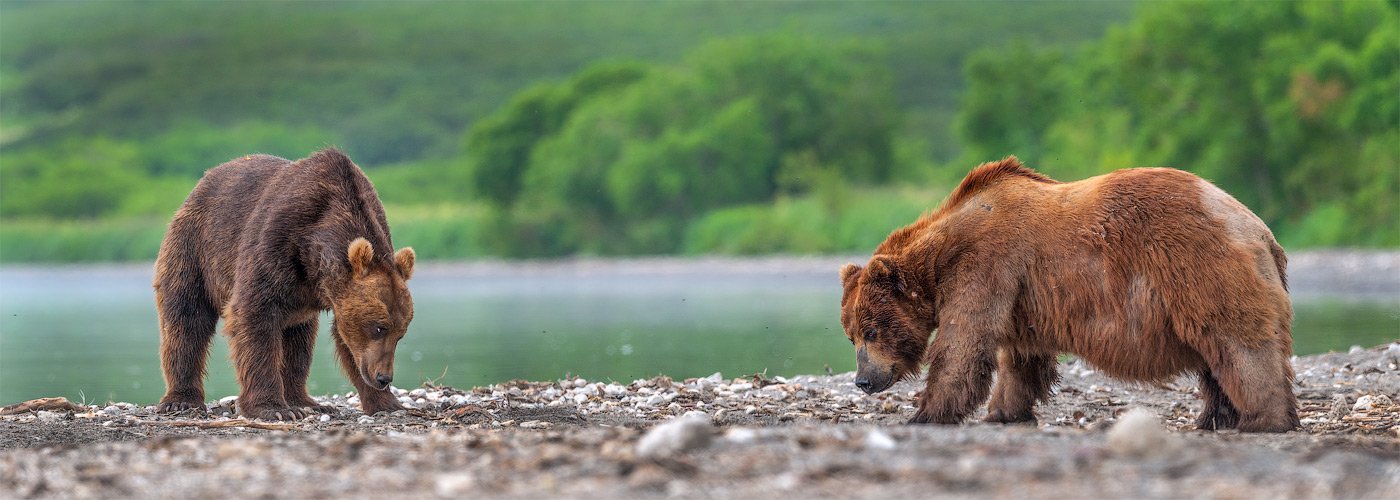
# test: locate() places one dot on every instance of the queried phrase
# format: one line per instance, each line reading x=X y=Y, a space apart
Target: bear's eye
x=379 y=331
x=869 y=334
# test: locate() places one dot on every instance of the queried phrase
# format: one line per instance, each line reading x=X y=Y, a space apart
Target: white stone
x=397 y=391
x=418 y=393
x=676 y=436
x=741 y=435
x=111 y=410
x=715 y=379
x=1356 y=349
x=1139 y=434
x=696 y=414
x=655 y=400
x=458 y=399
x=227 y=400
x=742 y=386
x=878 y=440
x=1369 y=402
x=614 y=390
x=578 y=382
x=405 y=401
x=365 y=419
x=325 y=417
x=454 y=484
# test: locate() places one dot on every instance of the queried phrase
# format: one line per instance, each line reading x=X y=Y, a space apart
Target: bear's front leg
x=371 y=400
x=959 y=378
x=257 y=359
x=299 y=342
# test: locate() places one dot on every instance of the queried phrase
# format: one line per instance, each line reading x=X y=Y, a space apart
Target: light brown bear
x=269 y=243
x=1145 y=273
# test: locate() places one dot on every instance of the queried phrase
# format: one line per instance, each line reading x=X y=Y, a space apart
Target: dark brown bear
x=1144 y=273
x=267 y=244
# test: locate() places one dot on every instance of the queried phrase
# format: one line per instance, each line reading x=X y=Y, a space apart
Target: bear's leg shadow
x=187 y=321
x=371 y=400
x=1218 y=412
x=257 y=351
x=1022 y=380
x=298 y=344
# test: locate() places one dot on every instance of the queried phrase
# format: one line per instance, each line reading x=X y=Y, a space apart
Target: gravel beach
x=749 y=436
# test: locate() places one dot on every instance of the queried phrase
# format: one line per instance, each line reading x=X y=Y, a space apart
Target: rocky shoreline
x=719 y=436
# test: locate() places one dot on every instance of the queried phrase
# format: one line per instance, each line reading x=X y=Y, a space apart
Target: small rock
x=1356 y=349
x=1369 y=402
x=227 y=400
x=578 y=382
x=696 y=414
x=878 y=440
x=404 y=400
x=1139 y=434
x=111 y=410
x=1340 y=407
x=325 y=417
x=535 y=424
x=454 y=484
x=48 y=416
x=677 y=436
x=418 y=393
x=717 y=377
x=365 y=419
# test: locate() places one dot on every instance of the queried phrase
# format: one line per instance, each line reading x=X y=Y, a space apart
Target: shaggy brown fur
x=1145 y=273
x=268 y=243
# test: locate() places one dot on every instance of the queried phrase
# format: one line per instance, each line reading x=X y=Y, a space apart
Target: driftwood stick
x=215 y=424
x=50 y=404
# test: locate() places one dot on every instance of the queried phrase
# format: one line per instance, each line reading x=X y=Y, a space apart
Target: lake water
x=90 y=332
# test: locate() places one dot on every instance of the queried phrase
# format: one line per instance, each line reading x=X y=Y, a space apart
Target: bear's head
x=373 y=311
x=887 y=321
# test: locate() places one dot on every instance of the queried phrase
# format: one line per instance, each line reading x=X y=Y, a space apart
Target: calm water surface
x=90 y=332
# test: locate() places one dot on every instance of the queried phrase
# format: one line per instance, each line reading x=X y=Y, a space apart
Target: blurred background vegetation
x=615 y=128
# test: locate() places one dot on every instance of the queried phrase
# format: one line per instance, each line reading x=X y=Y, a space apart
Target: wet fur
x=1145 y=273
x=266 y=243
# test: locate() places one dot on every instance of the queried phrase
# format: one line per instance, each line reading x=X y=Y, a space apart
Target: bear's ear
x=404 y=260
x=884 y=271
x=848 y=273
x=361 y=253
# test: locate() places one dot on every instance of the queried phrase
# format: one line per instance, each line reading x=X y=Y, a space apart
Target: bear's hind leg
x=298 y=344
x=1258 y=384
x=1218 y=412
x=1022 y=380
x=187 y=321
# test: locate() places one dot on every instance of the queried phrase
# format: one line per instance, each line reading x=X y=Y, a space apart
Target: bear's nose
x=383 y=379
x=863 y=383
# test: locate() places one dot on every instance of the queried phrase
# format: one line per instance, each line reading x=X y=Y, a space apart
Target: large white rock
x=1139 y=434
x=683 y=434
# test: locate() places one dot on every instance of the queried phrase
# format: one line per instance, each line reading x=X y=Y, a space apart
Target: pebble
x=227 y=400
x=1139 y=434
x=578 y=382
x=111 y=410
x=675 y=437
x=365 y=419
x=1339 y=407
x=1369 y=402
x=1356 y=349
x=878 y=440
x=454 y=484
x=741 y=435
x=404 y=400
x=325 y=417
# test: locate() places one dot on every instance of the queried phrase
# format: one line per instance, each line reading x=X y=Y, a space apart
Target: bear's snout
x=383 y=379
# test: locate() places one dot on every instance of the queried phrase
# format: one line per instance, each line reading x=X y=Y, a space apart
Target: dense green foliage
x=520 y=129
x=621 y=159
x=1293 y=107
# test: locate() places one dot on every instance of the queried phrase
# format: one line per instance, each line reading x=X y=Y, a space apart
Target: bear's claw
x=181 y=407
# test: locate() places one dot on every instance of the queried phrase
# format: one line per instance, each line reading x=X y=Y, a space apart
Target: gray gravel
x=741 y=437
